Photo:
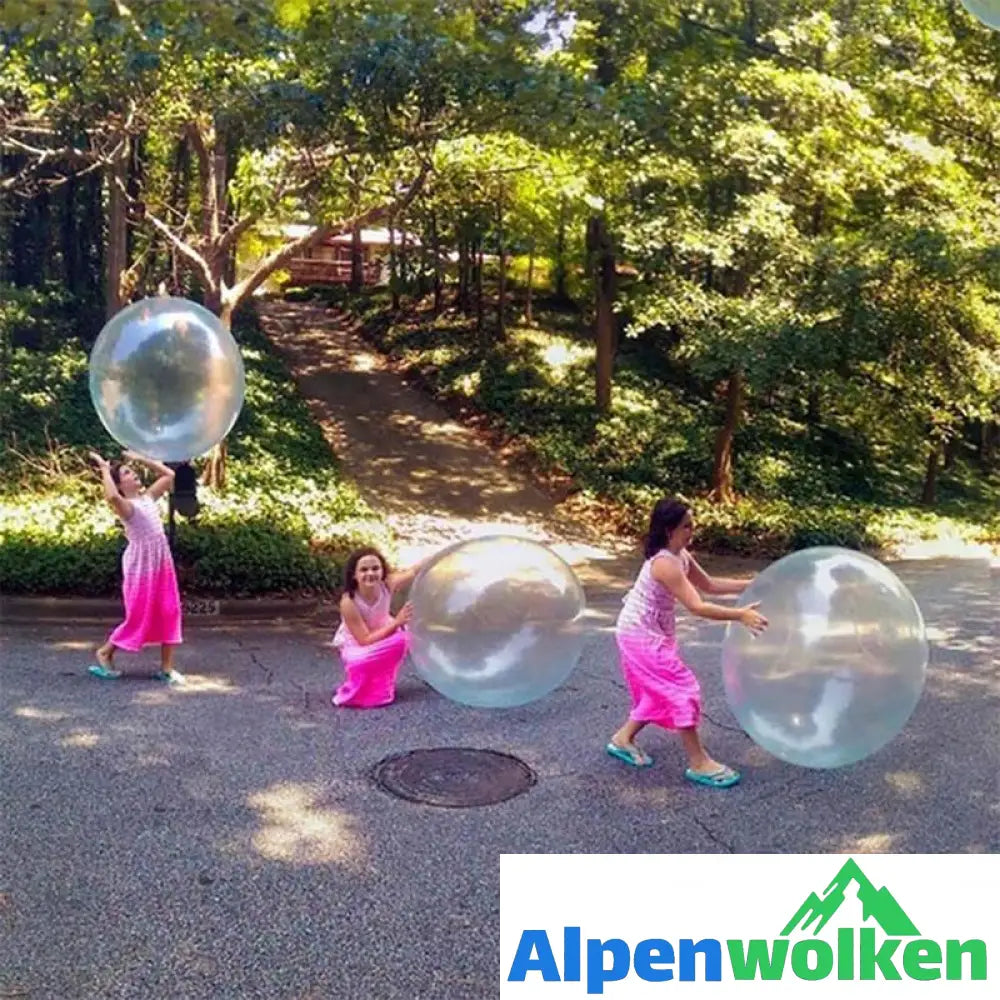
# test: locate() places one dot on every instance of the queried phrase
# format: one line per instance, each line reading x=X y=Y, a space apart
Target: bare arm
x=404 y=577
x=719 y=586
x=668 y=574
x=118 y=503
x=164 y=474
x=354 y=621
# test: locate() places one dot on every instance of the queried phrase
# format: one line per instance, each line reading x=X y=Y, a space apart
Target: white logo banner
x=790 y=925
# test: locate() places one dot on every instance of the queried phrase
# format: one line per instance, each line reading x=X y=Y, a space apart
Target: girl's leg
x=625 y=736
x=105 y=667
x=167 y=672
x=698 y=756
x=624 y=739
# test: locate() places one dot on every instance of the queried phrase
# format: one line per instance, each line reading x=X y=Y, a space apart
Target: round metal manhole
x=454 y=777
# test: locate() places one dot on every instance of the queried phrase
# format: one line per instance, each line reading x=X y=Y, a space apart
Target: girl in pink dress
x=372 y=641
x=149 y=583
x=664 y=690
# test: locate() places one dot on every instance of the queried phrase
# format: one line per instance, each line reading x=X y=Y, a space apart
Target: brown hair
x=666 y=516
x=351 y=566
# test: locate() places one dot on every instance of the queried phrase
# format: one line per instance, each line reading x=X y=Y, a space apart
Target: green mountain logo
x=877 y=905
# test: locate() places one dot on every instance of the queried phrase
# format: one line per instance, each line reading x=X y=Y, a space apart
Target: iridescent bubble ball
x=841 y=665
x=987 y=11
x=497 y=621
x=166 y=378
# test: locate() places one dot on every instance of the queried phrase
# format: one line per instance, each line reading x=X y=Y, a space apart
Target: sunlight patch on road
x=81 y=739
x=297 y=829
x=193 y=684
x=905 y=782
x=870 y=843
x=40 y=714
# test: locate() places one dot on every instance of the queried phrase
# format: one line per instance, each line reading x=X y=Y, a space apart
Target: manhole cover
x=454 y=777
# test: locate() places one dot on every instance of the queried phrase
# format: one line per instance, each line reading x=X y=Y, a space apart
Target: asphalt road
x=226 y=840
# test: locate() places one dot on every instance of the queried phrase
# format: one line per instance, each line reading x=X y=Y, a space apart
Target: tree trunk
x=478 y=252
x=502 y=282
x=602 y=266
x=404 y=259
x=70 y=239
x=951 y=447
x=989 y=432
x=528 y=316
x=393 y=266
x=93 y=226
x=928 y=495
x=462 y=299
x=133 y=184
x=722 y=470
x=436 y=257
x=357 y=261
x=814 y=410
x=180 y=183
x=214 y=474
x=116 y=261
x=561 y=292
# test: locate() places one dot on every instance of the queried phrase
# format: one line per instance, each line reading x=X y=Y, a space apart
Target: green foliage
x=285 y=522
x=800 y=483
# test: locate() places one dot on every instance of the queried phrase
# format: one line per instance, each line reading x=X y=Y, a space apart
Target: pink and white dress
x=149 y=583
x=370 y=671
x=664 y=690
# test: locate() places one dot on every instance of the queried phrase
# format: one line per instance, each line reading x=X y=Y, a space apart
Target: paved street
x=226 y=839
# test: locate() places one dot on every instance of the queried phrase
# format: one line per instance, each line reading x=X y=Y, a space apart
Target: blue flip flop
x=725 y=777
x=630 y=758
x=103 y=673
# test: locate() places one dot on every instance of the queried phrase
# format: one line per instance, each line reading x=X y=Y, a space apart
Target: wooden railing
x=306 y=271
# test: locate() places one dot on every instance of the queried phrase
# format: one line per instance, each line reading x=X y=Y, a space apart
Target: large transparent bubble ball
x=497 y=621
x=840 y=667
x=988 y=11
x=166 y=378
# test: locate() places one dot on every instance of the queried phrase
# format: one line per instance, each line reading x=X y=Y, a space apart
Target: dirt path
x=434 y=479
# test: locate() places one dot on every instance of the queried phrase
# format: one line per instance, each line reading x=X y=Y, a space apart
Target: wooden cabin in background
x=329 y=262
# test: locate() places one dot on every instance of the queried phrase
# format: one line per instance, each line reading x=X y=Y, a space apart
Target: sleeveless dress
x=663 y=688
x=149 y=583
x=370 y=671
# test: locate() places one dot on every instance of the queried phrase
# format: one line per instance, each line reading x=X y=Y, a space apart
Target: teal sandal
x=103 y=673
x=725 y=777
x=633 y=759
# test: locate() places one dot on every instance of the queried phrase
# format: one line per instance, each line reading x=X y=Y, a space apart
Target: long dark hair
x=351 y=566
x=667 y=515
x=116 y=473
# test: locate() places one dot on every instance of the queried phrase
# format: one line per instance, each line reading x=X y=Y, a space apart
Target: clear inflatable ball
x=987 y=11
x=497 y=622
x=166 y=378
x=841 y=665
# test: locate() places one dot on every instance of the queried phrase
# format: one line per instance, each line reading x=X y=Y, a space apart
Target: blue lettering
x=571 y=954
x=524 y=963
x=711 y=948
x=654 y=950
x=597 y=974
